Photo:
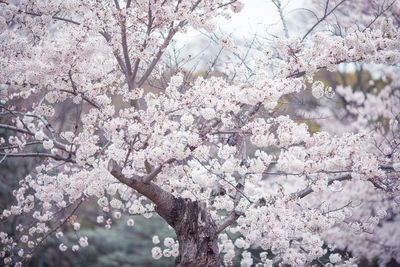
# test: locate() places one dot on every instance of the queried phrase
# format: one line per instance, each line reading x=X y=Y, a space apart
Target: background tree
x=212 y=155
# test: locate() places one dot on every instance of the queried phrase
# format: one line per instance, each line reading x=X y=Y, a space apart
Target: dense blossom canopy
x=295 y=194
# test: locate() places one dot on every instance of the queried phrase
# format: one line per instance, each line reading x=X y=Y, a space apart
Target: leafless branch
x=117 y=56
x=3 y=158
x=147 y=179
x=58 y=227
x=228 y=220
x=326 y=14
x=40 y=14
x=160 y=52
x=378 y=15
x=15 y=129
x=17 y=146
x=278 y=5
x=94 y=104
x=38 y=154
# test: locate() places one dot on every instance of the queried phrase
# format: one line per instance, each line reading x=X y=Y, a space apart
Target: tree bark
x=197 y=234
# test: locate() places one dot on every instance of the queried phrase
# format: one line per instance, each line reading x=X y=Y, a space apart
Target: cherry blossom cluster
x=294 y=194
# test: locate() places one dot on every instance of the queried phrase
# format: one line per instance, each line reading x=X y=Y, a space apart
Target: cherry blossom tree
x=211 y=155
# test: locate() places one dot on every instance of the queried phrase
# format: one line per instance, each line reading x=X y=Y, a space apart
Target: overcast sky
x=257 y=16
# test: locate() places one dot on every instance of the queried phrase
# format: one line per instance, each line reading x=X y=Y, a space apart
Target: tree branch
x=12 y=128
x=165 y=44
x=147 y=179
x=39 y=15
x=125 y=49
x=278 y=5
x=41 y=155
x=3 y=158
x=308 y=190
x=107 y=36
x=164 y=200
x=160 y=52
x=342 y=177
x=228 y=220
x=94 y=104
x=58 y=227
x=17 y=146
x=326 y=14
x=144 y=45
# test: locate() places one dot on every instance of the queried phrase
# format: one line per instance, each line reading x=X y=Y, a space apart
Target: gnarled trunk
x=197 y=234
x=196 y=231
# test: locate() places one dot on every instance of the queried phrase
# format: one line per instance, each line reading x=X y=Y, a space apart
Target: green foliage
x=122 y=245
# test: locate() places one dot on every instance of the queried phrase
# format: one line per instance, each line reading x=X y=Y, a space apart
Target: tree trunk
x=196 y=231
x=197 y=234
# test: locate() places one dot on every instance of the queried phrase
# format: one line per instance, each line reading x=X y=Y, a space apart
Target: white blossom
x=63 y=247
x=156 y=253
x=156 y=240
x=83 y=241
x=130 y=222
x=48 y=144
